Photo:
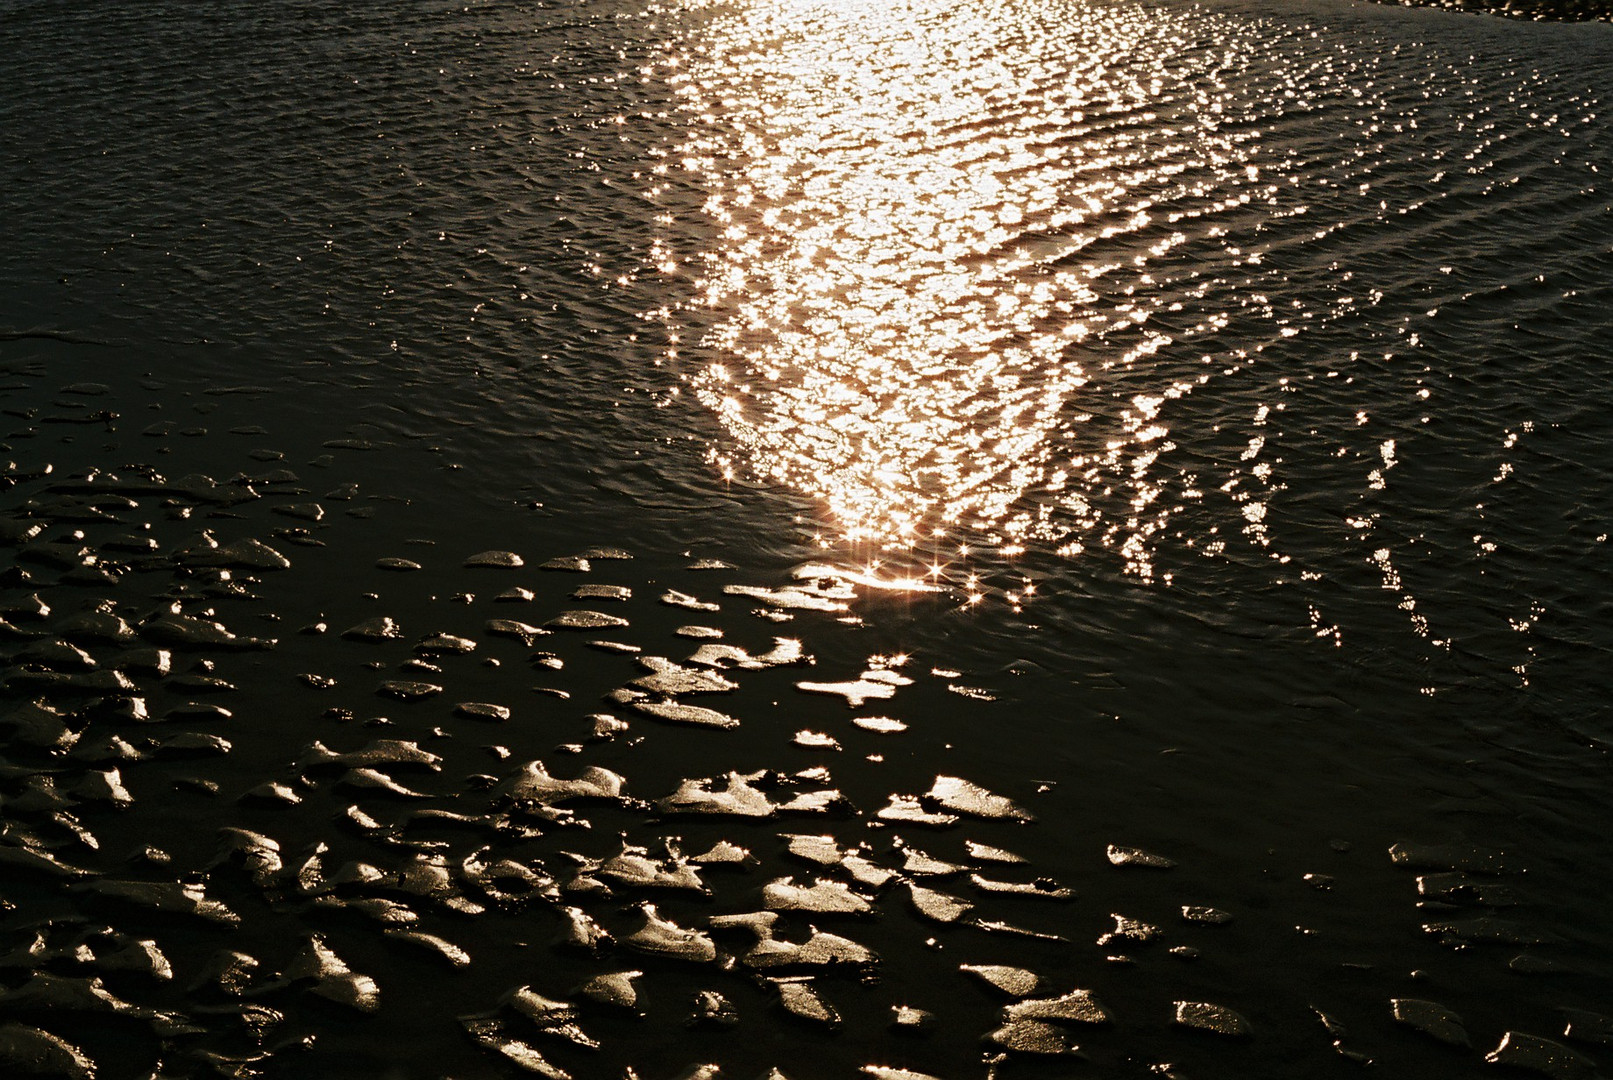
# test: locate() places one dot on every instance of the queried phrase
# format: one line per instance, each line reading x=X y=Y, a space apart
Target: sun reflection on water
x=1002 y=285
x=925 y=257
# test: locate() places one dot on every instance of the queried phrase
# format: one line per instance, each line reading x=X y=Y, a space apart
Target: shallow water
x=1197 y=410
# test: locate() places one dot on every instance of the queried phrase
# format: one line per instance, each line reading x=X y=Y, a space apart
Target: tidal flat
x=298 y=769
x=781 y=538
x=310 y=757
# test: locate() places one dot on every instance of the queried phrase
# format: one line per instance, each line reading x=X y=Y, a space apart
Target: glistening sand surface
x=1249 y=359
x=261 y=784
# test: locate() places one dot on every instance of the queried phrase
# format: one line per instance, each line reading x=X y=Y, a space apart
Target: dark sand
x=399 y=809
x=313 y=754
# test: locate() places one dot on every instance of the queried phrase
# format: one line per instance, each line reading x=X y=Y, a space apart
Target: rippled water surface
x=1118 y=501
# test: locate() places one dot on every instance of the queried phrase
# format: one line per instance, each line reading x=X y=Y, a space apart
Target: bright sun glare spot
x=924 y=266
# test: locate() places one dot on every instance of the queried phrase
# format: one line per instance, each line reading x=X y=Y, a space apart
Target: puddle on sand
x=277 y=800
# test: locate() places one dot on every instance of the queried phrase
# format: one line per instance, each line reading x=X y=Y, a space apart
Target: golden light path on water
x=908 y=309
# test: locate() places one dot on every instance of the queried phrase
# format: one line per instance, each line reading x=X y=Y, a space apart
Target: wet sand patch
x=342 y=800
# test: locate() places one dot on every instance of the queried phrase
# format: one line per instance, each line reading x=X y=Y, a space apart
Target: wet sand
x=311 y=755
x=349 y=351
x=305 y=761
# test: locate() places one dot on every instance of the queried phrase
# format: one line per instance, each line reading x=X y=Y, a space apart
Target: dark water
x=1192 y=417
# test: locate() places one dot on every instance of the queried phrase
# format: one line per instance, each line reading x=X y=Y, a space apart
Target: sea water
x=1184 y=424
